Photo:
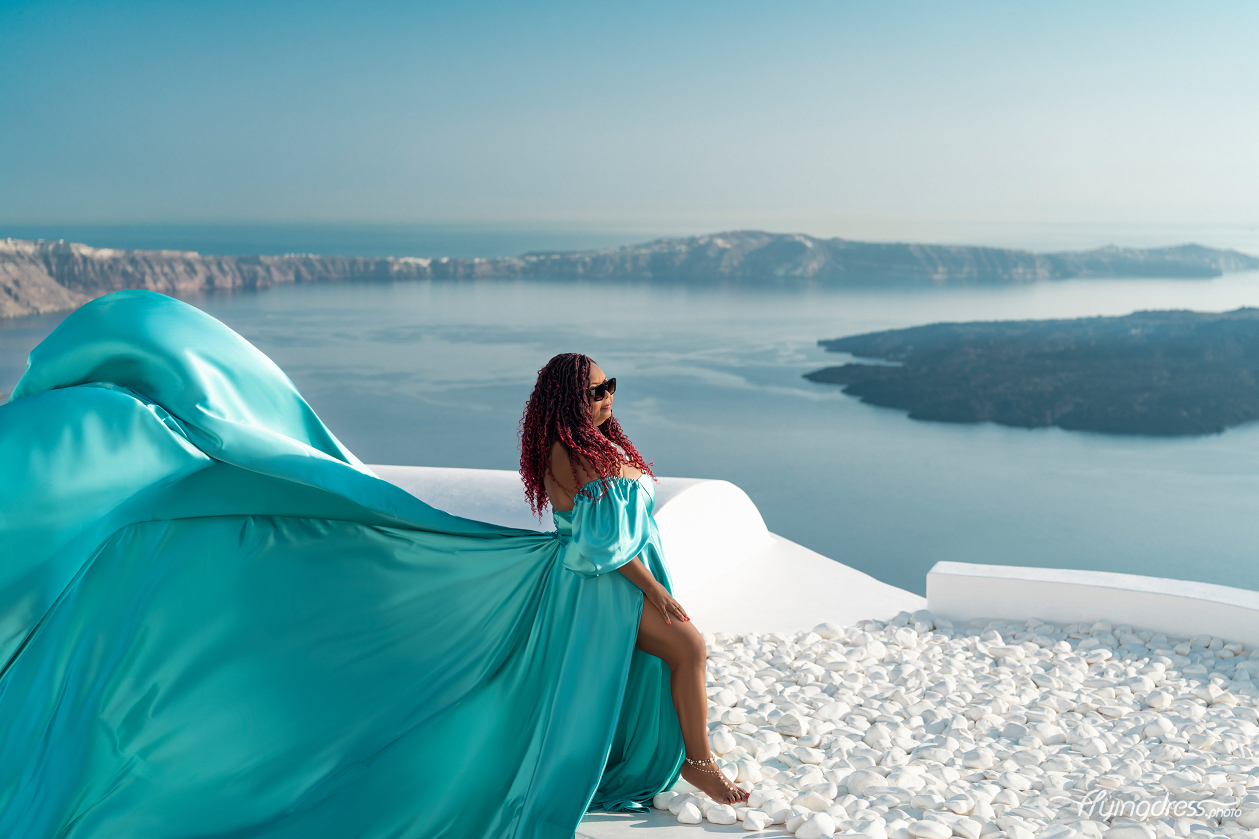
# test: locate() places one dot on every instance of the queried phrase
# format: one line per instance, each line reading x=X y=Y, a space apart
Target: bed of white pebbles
x=917 y=729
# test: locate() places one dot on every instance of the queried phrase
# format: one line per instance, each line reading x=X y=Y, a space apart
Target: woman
x=570 y=444
x=215 y=621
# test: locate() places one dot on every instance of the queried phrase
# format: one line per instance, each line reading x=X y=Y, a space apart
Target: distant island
x=1155 y=373
x=47 y=276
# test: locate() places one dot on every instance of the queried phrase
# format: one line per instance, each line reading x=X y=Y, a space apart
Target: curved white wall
x=729 y=571
x=708 y=529
x=966 y=591
x=493 y=495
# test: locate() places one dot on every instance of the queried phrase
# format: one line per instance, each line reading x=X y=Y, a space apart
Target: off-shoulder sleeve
x=608 y=531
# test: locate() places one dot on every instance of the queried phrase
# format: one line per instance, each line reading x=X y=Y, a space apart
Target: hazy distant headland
x=1154 y=373
x=47 y=276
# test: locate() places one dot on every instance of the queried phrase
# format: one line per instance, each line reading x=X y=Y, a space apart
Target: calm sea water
x=710 y=386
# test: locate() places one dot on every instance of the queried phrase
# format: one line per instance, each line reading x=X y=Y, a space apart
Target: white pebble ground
x=916 y=729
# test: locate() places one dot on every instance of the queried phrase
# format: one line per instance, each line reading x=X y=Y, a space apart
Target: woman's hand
x=662 y=600
x=653 y=590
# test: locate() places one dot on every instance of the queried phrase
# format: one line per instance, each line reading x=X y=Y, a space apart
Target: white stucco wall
x=966 y=591
x=729 y=571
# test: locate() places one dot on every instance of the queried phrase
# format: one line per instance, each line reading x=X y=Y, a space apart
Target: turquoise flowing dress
x=216 y=622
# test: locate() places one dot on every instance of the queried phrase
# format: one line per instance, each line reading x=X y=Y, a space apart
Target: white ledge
x=966 y=591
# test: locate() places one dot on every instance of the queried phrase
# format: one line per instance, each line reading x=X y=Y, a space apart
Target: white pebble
x=860 y=780
x=829 y=631
x=1013 y=780
x=756 y=820
x=690 y=814
x=756 y=798
x=1058 y=831
x=813 y=756
x=967 y=828
x=749 y=772
x=678 y=802
x=833 y=711
x=791 y=725
x=721 y=740
x=816 y=826
x=811 y=801
x=979 y=759
x=1130 y=830
x=778 y=810
x=929 y=830
x=721 y=814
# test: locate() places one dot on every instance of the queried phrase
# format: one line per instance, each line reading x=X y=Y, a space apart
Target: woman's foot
x=710 y=780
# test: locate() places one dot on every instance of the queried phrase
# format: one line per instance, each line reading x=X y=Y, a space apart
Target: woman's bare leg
x=681 y=647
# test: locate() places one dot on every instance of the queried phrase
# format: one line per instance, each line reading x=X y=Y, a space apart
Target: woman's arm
x=640 y=575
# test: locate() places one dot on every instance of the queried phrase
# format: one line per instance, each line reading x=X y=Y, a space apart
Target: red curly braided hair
x=559 y=409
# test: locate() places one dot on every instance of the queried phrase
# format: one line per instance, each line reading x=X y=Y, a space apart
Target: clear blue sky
x=829 y=117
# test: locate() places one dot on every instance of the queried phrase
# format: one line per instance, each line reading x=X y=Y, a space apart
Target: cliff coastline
x=48 y=276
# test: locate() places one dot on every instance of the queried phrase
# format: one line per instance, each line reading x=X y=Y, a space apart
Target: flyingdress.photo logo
x=1106 y=805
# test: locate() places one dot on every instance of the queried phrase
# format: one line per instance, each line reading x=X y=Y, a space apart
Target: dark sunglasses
x=603 y=389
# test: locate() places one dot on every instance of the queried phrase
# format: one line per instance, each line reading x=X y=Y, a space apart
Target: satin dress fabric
x=216 y=622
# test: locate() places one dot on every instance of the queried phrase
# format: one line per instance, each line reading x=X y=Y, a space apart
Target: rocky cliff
x=38 y=277
x=45 y=276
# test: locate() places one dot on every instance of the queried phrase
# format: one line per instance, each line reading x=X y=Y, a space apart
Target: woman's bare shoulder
x=562 y=463
x=560 y=487
x=559 y=483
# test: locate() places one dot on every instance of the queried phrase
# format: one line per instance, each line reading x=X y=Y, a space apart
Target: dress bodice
x=605 y=530
x=564 y=518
